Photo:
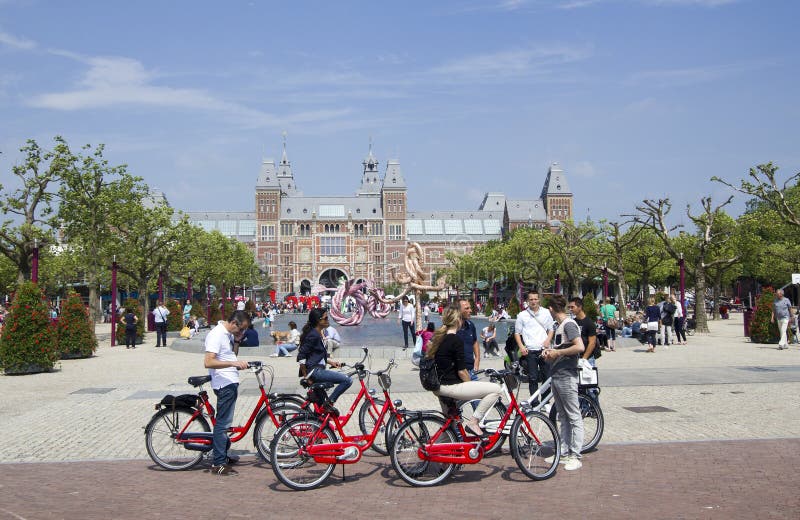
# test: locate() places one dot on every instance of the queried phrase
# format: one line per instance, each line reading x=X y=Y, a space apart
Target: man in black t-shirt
x=588 y=329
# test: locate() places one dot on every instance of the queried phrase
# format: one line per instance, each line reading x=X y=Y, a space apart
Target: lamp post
x=114 y=301
x=208 y=302
x=35 y=265
x=682 y=268
x=605 y=282
x=161 y=286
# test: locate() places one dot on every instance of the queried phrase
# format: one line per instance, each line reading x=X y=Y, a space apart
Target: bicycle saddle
x=199 y=380
x=324 y=386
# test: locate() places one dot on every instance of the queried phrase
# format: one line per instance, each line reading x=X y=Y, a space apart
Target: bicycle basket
x=511 y=381
x=385 y=381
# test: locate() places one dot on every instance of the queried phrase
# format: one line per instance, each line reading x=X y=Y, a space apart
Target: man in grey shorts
x=782 y=312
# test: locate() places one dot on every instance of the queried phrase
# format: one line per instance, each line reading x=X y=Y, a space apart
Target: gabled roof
x=371 y=177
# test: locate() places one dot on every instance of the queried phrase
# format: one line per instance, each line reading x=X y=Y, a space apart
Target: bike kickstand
x=343 y=477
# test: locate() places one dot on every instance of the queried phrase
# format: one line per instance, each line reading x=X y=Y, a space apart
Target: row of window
x=304 y=230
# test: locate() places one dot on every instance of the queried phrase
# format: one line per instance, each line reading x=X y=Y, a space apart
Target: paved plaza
x=724 y=445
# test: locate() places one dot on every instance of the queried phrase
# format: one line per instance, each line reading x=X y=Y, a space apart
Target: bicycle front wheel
x=161 y=438
x=412 y=435
x=267 y=426
x=291 y=465
x=535 y=450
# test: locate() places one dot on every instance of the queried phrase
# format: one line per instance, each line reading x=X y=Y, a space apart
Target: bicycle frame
x=336 y=453
x=472 y=449
x=200 y=440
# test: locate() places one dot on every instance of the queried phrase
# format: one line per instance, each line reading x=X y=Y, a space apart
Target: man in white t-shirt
x=221 y=346
x=240 y=305
x=331 y=338
x=533 y=331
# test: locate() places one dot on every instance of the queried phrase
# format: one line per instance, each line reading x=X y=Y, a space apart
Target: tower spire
x=284 y=158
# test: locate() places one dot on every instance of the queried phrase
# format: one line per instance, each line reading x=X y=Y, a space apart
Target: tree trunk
x=622 y=299
x=717 y=294
x=701 y=318
x=94 y=303
x=144 y=301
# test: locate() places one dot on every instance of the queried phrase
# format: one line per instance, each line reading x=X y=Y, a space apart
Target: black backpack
x=428 y=374
x=669 y=309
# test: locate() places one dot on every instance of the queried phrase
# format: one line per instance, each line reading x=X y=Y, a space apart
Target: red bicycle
x=306 y=449
x=179 y=434
x=429 y=445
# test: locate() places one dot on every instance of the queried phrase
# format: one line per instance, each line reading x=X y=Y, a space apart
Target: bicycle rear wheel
x=538 y=460
x=266 y=427
x=292 y=467
x=593 y=421
x=160 y=438
x=412 y=435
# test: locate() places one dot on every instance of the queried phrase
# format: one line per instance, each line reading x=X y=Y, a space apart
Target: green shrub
x=175 y=316
x=762 y=329
x=133 y=305
x=513 y=308
x=218 y=314
x=76 y=337
x=29 y=343
x=590 y=306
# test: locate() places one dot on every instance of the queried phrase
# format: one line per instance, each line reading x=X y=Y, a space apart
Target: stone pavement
x=719 y=387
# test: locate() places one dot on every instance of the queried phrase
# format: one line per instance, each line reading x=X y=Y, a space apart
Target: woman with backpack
x=447 y=350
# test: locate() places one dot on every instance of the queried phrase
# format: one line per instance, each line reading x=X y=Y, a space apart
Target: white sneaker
x=273 y=355
x=573 y=464
x=562 y=460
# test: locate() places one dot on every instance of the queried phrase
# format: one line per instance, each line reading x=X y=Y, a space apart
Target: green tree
x=147 y=242
x=704 y=240
x=28 y=344
x=94 y=196
x=590 y=307
x=766 y=192
x=76 y=338
x=646 y=261
x=566 y=245
x=29 y=208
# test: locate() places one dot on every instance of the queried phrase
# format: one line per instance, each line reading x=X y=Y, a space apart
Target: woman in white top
x=680 y=319
x=407 y=316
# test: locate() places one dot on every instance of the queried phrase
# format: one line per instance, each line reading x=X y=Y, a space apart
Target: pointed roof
x=370 y=178
x=285 y=175
x=556 y=182
x=393 y=180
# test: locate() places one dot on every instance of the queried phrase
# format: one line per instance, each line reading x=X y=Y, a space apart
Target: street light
x=35 y=266
x=114 y=301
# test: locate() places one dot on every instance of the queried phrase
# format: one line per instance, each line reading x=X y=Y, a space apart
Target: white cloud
x=17 y=43
x=119 y=81
x=511 y=63
x=693 y=75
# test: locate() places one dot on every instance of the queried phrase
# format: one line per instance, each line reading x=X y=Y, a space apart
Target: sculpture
x=375 y=301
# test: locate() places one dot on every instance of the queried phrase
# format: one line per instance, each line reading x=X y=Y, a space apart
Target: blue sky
x=634 y=98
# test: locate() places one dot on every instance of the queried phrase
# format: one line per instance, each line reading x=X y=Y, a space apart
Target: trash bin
x=748 y=317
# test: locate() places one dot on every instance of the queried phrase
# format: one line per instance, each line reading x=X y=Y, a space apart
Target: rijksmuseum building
x=304 y=240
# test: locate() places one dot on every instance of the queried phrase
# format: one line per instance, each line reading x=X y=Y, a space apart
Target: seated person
x=283 y=349
x=489 y=337
x=250 y=338
x=426 y=335
x=627 y=328
x=331 y=338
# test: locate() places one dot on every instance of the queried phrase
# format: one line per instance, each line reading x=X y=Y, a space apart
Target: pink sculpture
x=375 y=302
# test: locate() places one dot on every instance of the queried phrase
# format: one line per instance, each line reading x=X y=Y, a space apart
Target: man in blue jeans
x=222 y=345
